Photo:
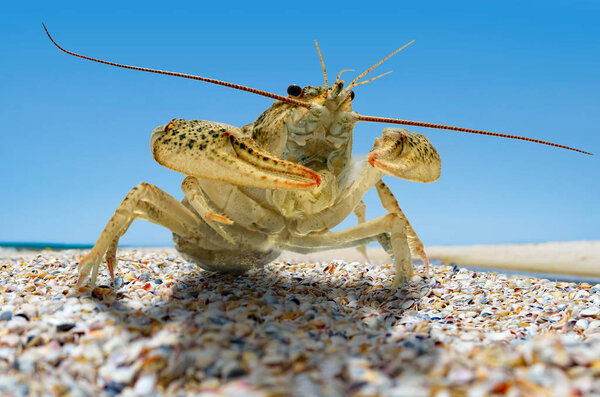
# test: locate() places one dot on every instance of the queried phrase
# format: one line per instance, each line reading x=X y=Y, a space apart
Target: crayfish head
x=321 y=137
x=335 y=98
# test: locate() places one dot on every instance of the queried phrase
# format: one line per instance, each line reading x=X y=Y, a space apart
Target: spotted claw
x=406 y=154
x=220 y=152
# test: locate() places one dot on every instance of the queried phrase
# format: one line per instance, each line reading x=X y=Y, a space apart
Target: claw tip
x=80 y=281
x=371 y=158
x=317 y=179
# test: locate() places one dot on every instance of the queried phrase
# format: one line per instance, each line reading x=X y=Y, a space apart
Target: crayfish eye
x=294 y=90
x=352 y=95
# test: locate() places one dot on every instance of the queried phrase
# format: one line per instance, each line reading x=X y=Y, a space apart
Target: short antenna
x=322 y=64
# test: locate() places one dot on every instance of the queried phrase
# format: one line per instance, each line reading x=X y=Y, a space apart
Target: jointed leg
x=390 y=203
x=360 y=212
x=111 y=255
x=393 y=231
x=144 y=201
x=360 y=235
x=355 y=236
x=193 y=192
x=347 y=201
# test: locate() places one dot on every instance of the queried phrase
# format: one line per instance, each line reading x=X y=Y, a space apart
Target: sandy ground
x=167 y=328
x=577 y=258
x=324 y=324
x=574 y=258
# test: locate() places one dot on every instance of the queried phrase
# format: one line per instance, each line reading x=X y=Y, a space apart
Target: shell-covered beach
x=297 y=327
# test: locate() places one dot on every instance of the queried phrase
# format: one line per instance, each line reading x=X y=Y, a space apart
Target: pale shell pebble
x=312 y=328
x=590 y=312
x=145 y=384
x=582 y=323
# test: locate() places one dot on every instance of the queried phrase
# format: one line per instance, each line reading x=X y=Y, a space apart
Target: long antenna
x=470 y=131
x=187 y=76
x=307 y=105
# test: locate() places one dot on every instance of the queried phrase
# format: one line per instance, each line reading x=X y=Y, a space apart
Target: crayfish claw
x=220 y=152
x=407 y=155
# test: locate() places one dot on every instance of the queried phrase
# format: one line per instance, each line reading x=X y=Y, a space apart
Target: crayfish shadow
x=210 y=317
x=264 y=296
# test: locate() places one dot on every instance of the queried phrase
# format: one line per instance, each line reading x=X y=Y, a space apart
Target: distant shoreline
x=43 y=246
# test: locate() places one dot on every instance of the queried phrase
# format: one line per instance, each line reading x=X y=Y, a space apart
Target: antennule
x=371 y=79
x=340 y=74
x=379 y=63
x=187 y=76
x=470 y=131
x=322 y=64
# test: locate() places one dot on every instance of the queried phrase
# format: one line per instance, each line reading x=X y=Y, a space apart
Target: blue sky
x=75 y=135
